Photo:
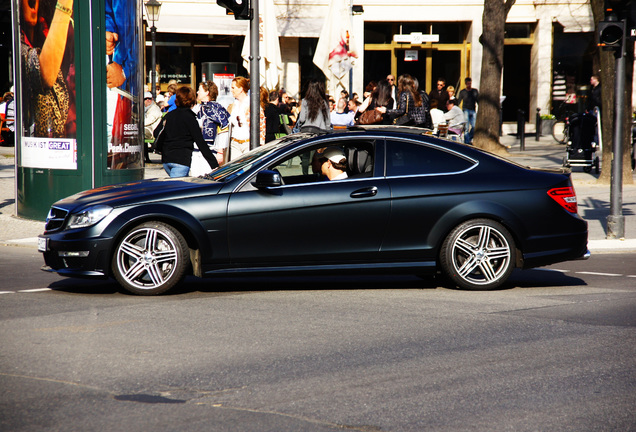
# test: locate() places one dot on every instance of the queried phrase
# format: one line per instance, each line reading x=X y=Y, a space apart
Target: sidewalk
x=593 y=199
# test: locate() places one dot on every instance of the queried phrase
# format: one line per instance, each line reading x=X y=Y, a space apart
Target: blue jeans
x=470 y=116
x=176 y=170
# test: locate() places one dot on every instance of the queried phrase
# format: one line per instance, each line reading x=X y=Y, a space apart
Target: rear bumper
x=586 y=256
x=564 y=248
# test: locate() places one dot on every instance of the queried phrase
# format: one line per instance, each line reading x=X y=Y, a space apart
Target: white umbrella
x=271 y=64
x=335 y=52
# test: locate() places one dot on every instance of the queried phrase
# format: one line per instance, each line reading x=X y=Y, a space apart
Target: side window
x=406 y=158
x=304 y=166
x=297 y=168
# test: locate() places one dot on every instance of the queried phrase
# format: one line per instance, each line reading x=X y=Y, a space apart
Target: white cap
x=147 y=95
x=334 y=154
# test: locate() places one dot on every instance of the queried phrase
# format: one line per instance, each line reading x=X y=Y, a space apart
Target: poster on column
x=47 y=84
x=123 y=109
x=224 y=84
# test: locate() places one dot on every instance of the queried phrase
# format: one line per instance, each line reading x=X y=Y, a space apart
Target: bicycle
x=561 y=128
x=561 y=131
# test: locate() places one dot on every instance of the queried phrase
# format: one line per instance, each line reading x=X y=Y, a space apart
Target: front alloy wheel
x=478 y=255
x=150 y=259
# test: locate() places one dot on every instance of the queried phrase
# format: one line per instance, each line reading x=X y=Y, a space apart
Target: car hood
x=140 y=192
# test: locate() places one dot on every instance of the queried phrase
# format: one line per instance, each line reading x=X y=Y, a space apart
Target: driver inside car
x=333 y=164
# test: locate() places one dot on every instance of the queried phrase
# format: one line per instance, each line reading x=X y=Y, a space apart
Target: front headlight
x=89 y=217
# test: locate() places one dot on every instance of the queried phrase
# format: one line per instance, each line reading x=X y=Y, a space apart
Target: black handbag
x=160 y=136
x=405 y=118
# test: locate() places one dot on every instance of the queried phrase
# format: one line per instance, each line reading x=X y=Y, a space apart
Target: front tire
x=479 y=254
x=150 y=259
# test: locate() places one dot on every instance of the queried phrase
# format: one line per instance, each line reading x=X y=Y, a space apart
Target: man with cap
x=152 y=117
x=333 y=163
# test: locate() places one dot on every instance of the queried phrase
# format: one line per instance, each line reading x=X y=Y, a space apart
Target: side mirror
x=267 y=179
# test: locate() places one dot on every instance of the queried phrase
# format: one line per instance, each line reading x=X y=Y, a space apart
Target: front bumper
x=85 y=257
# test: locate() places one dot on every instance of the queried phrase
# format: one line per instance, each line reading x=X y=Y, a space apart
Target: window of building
x=518 y=31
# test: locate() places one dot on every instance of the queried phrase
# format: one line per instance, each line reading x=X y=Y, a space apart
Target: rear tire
x=479 y=254
x=150 y=259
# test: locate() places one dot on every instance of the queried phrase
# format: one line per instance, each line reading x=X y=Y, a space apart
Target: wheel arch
x=479 y=209
x=190 y=228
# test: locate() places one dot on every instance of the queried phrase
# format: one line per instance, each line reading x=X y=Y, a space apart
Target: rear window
x=407 y=158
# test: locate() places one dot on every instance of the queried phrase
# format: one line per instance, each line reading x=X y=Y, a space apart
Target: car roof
x=390 y=131
x=412 y=130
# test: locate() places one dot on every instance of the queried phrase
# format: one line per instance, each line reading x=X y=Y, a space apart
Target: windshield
x=238 y=166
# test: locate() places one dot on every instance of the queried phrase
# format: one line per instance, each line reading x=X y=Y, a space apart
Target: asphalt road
x=554 y=350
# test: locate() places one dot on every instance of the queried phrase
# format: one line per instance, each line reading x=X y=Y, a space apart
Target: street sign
x=415 y=38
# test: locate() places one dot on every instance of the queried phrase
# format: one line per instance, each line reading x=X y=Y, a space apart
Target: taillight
x=566 y=197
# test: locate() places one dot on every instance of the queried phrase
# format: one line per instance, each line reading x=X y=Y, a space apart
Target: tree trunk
x=605 y=68
x=487 y=123
x=628 y=174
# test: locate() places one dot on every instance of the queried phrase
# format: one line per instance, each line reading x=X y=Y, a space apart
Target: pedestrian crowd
x=223 y=133
x=7 y=119
x=196 y=134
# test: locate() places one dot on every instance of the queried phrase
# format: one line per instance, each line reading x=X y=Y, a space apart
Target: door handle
x=365 y=193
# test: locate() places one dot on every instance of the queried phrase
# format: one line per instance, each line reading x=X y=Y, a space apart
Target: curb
x=612 y=245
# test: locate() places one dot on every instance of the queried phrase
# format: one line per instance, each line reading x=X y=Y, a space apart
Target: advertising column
x=123 y=107
x=78 y=100
x=48 y=85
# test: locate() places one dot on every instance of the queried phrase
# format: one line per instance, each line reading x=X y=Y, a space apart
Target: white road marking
x=600 y=274
x=35 y=290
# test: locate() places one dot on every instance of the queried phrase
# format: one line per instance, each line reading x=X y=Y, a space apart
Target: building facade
x=547 y=57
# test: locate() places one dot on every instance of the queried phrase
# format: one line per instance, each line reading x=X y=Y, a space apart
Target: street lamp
x=152 y=11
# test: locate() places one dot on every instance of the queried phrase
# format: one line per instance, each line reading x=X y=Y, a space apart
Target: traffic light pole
x=616 y=220
x=255 y=77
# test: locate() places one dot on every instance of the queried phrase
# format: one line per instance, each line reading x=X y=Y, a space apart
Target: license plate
x=43 y=244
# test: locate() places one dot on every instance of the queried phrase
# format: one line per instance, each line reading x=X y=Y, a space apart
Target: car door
x=426 y=180
x=310 y=221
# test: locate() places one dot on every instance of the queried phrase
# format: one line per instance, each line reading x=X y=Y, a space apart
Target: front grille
x=55 y=219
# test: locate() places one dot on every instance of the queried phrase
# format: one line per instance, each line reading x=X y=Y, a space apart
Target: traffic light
x=611 y=34
x=239 y=8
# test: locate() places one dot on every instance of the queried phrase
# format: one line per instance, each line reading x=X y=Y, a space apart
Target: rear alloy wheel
x=150 y=259
x=478 y=255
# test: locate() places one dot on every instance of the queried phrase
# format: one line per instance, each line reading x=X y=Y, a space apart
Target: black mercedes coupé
x=411 y=203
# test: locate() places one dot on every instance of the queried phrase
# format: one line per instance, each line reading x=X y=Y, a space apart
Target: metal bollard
x=538 y=123
x=521 y=129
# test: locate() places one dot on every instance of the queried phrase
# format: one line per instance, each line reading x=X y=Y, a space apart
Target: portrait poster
x=224 y=84
x=124 y=111
x=47 y=84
